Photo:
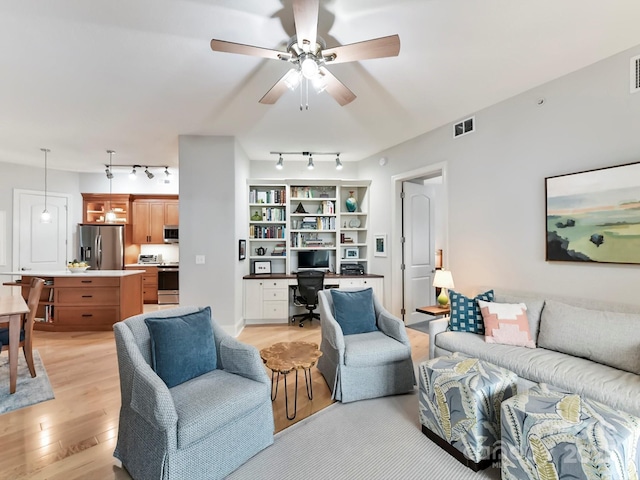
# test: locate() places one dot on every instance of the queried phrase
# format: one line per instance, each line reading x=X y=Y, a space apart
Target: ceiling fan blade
x=337 y=89
x=281 y=86
x=230 y=47
x=305 y=15
x=375 y=48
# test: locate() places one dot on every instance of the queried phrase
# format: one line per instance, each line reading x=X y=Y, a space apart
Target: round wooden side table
x=282 y=358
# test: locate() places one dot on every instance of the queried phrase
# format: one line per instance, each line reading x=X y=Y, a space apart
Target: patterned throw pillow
x=506 y=323
x=465 y=314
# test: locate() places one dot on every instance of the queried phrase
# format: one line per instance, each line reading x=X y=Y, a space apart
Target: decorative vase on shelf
x=351 y=203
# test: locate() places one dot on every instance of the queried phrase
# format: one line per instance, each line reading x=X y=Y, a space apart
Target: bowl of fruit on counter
x=77 y=267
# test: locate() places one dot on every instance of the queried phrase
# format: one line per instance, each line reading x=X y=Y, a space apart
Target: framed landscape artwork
x=594 y=216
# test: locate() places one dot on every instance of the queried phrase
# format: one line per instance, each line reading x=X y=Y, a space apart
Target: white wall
x=99 y=183
x=495 y=181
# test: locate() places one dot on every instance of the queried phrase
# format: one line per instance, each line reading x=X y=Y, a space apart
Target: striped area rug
x=370 y=439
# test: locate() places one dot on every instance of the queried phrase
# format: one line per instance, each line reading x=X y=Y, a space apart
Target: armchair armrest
x=242 y=359
x=436 y=326
x=151 y=399
x=393 y=327
x=331 y=331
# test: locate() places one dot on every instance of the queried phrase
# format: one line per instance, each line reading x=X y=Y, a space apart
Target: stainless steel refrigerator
x=101 y=246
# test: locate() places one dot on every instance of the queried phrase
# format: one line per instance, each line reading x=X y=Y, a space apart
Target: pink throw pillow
x=506 y=323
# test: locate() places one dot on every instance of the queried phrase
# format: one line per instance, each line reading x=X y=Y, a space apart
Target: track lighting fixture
x=132 y=175
x=310 y=165
x=110 y=216
x=107 y=171
x=45 y=216
x=280 y=164
x=166 y=171
x=338 y=162
x=148 y=173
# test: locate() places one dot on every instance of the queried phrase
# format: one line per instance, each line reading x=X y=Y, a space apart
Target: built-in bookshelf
x=293 y=216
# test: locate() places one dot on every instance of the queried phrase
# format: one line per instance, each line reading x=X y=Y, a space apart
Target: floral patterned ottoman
x=460 y=406
x=552 y=434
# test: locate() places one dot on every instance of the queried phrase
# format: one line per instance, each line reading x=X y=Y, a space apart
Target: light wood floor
x=74 y=435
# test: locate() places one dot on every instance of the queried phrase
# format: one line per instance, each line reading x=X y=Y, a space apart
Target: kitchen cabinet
x=96 y=205
x=150 y=215
x=149 y=282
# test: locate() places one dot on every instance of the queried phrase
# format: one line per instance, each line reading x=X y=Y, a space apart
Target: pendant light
x=45 y=216
x=110 y=216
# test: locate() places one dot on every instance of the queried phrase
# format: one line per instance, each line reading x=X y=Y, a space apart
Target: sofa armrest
x=436 y=326
x=242 y=359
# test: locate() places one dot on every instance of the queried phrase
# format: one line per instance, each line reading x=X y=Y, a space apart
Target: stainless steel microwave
x=170 y=234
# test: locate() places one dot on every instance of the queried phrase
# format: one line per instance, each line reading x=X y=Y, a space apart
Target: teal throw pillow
x=465 y=313
x=354 y=311
x=182 y=347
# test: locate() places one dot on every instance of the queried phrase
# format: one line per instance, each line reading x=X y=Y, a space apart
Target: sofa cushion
x=373 y=348
x=605 y=384
x=211 y=401
x=506 y=323
x=605 y=337
x=465 y=313
x=182 y=347
x=354 y=312
x=534 y=309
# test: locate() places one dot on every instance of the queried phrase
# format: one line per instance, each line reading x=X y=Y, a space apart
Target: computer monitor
x=317 y=259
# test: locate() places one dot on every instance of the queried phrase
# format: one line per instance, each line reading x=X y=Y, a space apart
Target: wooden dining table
x=11 y=309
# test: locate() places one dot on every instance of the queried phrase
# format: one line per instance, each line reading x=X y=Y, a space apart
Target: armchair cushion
x=182 y=347
x=373 y=349
x=354 y=312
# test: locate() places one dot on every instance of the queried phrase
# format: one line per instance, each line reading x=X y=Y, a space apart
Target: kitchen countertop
x=168 y=264
x=67 y=273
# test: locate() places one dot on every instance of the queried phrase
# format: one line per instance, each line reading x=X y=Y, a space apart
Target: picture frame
x=242 y=249
x=594 y=215
x=261 y=267
x=352 y=253
x=380 y=245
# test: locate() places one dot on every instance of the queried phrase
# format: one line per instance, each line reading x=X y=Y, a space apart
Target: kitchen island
x=87 y=301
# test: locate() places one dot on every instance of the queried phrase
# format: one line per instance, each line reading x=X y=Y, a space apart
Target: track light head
x=132 y=175
x=280 y=164
x=166 y=171
x=310 y=165
x=107 y=171
x=338 y=162
x=148 y=173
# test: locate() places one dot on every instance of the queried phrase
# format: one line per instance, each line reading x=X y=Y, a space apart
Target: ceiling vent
x=635 y=74
x=464 y=127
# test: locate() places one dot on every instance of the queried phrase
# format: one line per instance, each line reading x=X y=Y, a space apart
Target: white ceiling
x=80 y=77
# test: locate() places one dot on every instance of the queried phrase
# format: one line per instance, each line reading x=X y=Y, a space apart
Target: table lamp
x=443 y=280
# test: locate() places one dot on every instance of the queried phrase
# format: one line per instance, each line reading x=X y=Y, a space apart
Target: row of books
x=279 y=250
x=299 y=239
x=270 y=214
x=268 y=196
x=48 y=315
x=318 y=223
x=257 y=231
x=308 y=192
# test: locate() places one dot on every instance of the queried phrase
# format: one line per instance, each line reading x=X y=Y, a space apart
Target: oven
x=168 y=285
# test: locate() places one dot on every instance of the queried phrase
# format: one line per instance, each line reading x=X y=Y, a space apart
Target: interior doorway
x=419 y=229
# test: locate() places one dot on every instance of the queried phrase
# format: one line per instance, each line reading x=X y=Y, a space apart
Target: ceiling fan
x=309 y=56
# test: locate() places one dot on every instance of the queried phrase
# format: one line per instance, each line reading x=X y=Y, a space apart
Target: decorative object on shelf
x=589 y=209
x=242 y=249
x=444 y=280
x=380 y=241
x=256 y=216
x=351 y=252
x=110 y=216
x=300 y=208
x=351 y=203
x=45 y=216
x=354 y=223
x=262 y=266
x=261 y=251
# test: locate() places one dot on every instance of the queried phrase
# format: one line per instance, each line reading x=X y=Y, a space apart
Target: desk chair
x=310 y=282
x=26 y=332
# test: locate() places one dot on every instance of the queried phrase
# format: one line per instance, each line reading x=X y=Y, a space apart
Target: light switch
x=199 y=259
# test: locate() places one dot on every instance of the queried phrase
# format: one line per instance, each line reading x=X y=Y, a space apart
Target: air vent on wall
x=464 y=127
x=635 y=74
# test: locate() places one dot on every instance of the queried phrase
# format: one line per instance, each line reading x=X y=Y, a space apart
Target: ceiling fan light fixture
x=292 y=79
x=309 y=67
x=338 y=162
x=280 y=164
x=310 y=165
x=319 y=85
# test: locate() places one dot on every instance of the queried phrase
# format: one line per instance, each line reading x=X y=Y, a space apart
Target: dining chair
x=26 y=332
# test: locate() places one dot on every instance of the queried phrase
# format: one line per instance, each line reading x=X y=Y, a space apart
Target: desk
x=11 y=309
x=435 y=310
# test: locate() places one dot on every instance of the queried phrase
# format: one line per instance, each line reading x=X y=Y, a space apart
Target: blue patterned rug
x=29 y=391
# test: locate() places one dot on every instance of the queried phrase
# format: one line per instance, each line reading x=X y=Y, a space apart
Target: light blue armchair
x=364 y=365
x=205 y=427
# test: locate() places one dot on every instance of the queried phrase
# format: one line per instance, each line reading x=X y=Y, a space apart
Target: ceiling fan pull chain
x=307 y=94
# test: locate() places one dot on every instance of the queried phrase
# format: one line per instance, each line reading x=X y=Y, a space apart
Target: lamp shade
x=443 y=279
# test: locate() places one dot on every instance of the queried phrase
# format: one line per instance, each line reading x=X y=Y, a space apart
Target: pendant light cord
x=45 y=150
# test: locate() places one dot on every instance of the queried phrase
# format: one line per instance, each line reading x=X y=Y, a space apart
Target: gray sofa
x=583 y=346
x=205 y=427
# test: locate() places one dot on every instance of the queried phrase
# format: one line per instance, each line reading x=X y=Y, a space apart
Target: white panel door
x=41 y=246
x=417 y=219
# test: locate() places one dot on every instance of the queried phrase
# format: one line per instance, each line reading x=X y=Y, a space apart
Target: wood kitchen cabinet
x=96 y=205
x=149 y=283
x=150 y=215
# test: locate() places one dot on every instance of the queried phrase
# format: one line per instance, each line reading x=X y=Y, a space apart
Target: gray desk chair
x=364 y=365
x=310 y=282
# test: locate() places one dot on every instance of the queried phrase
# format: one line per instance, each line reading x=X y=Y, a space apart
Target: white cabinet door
x=377 y=284
x=253 y=299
